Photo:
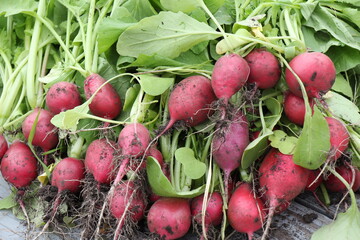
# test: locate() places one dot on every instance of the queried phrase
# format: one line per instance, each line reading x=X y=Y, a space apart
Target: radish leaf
x=167 y=34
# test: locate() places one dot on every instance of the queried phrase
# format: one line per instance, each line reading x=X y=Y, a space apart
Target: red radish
x=265 y=69
x=294 y=108
x=134 y=139
x=155 y=153
x=19 y=165
x=230 y=73
x=316 y=71
x=170 y=218
x=3 y=146
x=67 y=175
x=62 y=96
x=106 y=103
x=229 y=144
x=127 y=200
x=339 y=137
x=190 y=101
x=99 y=160
x=246 y=212
x=333 y=184
x=45 y=136
x=311 y=185
x=213 y=212
x=281 y=180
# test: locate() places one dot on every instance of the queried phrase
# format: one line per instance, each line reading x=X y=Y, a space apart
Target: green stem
x=33 y=54
x=174 y=144
x=8 y=66
x=68 y=33
x=89 y=47
x=325 y=194
x=262 y=119
x=76 y=148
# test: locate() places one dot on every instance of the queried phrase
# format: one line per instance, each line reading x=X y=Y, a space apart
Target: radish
x=230 y=73
x=229 y=144
x=294 y=108
x=265 y=69
x=311 y=185
x=339 y=137
x=316 y=71
x=19 y=165
x=170 y=218
x=281 y=180
x=134 y=139
x=213 y=212
x=45 y=135
x=155 y=153
x=127 y=201
x=3 y=146
x=99 y=160
x=189 y=101
x=246 y=212
x=333 y=184
x=106 y=103
x=62 y=96
x=66 y=176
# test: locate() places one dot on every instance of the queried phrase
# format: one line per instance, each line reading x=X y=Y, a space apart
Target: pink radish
x=246 y=212
x=170 y=218
x=99 y=160
x=19 y=168
x=316 y=71
x=333 y=184
x=3 y=146
x=339 y=137
x=213 y=212
x=190 y=101
x=62 y=96
x=134 y=140
x=230 y=73
x=294 y=108
x=265 y=69
x=229 y=144
x=45 y=136
x=127 y=200
x=281 y=180
x=106 y=103
x=19 y=165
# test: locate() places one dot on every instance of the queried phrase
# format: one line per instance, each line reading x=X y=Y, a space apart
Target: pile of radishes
x=108 y=175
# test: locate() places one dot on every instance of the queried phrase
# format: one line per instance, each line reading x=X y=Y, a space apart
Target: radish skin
x=62 y=96
x=3 y=146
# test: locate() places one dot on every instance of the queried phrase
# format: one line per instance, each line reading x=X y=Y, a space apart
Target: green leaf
x=69 y=119
x=154 y=85
x=161 y=186
x=185 y=6
x=322 y=20
x=193 y=168
x=255 y=149
x=8 y=202
x=345 y=227
x=344 y=58
x=12 y=7
x=280 y=140
x=275 y=108
x=167 y=34
x=111 y=28
x=341 y=85
x=233 y=41
x=314 y=142
x=342 y=107
x=319 y=41
x=140 y=8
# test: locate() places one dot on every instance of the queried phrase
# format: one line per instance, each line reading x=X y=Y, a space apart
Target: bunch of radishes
x=117 y=164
